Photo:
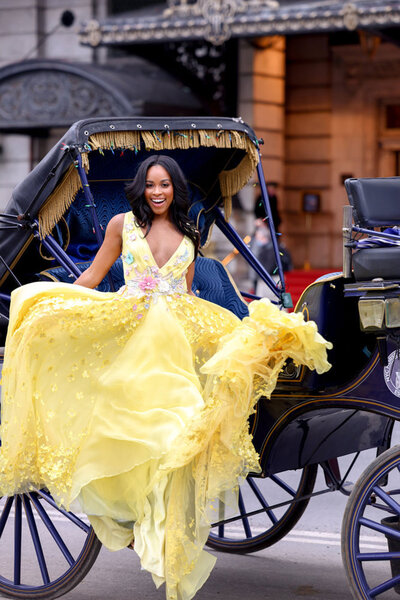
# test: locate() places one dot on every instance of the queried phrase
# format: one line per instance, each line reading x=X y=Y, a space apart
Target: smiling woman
x=160 y=386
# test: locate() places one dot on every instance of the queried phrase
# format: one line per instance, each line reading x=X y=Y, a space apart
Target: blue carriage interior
x=109 y=172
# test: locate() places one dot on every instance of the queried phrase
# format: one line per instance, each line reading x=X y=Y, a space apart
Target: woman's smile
x=159 y=191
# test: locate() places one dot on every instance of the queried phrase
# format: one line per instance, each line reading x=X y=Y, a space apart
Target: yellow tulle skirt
x=136 y=413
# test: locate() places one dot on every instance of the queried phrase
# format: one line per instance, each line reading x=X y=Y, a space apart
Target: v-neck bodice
x=143 y=277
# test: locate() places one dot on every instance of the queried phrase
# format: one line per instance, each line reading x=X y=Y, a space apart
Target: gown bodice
x=143 y=277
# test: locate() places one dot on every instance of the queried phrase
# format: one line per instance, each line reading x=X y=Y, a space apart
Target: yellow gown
x=132 y=406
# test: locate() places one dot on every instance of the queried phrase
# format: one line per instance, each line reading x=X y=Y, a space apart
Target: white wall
x=23 y=24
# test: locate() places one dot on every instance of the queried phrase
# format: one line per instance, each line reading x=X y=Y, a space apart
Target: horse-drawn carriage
x=51 y=230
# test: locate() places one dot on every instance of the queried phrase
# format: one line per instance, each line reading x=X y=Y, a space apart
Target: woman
x=134 y=405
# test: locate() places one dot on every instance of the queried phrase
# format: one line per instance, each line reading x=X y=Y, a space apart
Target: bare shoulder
x=116 y=224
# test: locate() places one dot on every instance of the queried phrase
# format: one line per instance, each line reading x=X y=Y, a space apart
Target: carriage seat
x=376 y=203
x=211 y=282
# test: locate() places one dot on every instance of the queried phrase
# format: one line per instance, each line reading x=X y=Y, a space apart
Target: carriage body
x=51 y=230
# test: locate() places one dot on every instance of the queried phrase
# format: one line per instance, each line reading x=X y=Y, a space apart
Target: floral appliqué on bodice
x=143 y=277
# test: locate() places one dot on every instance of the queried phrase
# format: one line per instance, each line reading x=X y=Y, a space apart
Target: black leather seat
x=375 y=203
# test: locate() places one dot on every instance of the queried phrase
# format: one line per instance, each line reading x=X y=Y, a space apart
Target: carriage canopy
x=217 y=155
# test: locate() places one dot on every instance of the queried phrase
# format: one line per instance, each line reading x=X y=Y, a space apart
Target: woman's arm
x=189 y=279
x=106 y=256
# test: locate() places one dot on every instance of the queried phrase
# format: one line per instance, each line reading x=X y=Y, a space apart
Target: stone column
x=308 y=150
x=261 y=101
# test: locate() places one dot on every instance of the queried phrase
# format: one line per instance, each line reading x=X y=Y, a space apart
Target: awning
x=41 y=94
x=217 y=21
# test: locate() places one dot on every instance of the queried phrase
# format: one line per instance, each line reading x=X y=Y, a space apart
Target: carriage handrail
x=267 y=208
x=381 y=234
x=92 y=207
x=237 y=241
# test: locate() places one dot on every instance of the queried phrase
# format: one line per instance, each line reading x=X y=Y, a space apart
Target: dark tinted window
x=121 y=6
x=393 y=116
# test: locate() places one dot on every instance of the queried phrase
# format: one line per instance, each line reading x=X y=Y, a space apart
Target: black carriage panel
x=370 y=263
x=338 y=322
x=317 y=436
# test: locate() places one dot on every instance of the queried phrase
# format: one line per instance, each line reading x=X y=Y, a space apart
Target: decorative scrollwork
x=47 y=97
x=218 y=20
x=218 y=14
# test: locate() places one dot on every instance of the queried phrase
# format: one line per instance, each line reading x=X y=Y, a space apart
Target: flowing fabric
x=133 y=406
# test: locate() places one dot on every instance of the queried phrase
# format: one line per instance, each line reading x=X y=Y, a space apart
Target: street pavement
x=305 y=564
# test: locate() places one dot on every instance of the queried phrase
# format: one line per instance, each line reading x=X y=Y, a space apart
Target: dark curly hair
x=179 y=208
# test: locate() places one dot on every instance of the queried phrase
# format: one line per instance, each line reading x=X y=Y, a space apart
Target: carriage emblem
x=391 y=373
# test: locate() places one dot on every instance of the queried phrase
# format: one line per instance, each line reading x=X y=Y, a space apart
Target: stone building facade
x=324 y=95
x=326 y=111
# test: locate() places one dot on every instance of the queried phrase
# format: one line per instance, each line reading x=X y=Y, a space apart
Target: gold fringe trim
x=115 y=139
x=235 y=179
x=231 y=181
x=85 y=162
x=59 y=201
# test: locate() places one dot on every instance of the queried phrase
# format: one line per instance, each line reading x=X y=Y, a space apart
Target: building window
x=123 y=6
x=392 y=116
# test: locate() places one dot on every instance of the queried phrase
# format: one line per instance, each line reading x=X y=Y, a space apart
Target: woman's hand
x=106 y=256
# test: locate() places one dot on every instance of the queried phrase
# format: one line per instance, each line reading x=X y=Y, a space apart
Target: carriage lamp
x=392 y=306
x=372 y=313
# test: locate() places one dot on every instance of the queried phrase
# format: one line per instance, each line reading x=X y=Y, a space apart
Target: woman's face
x=159 y=191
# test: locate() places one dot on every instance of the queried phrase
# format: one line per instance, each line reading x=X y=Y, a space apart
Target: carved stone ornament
x=350 y=17
x=219 y=14
x=218 y=20
x=41 y=98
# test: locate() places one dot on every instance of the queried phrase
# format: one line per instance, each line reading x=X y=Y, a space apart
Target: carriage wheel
x=252 y=533
x=45 y=551
x=371 y=530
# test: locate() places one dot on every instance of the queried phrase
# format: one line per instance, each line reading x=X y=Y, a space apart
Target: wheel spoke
x=245 y=521
x=367 y=556
x=385 y=586
x=257 y=497
x=66 y=514
x=388 y=531
x=5 y=513
x=261 y=499
x=283 y=485
x=17 y=541
x=379 y=506
x=386 y=498
x=36 y=540
x=52 y=530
